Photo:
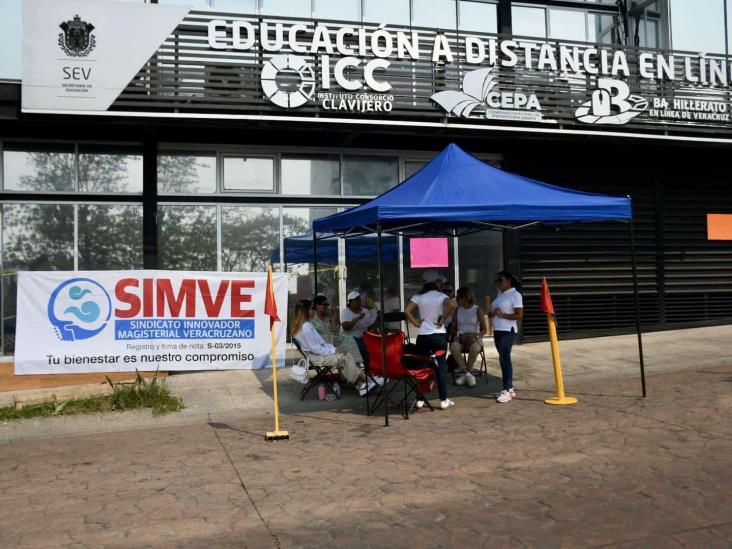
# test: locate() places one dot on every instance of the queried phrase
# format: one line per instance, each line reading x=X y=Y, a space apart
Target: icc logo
x=79 y=309
x=286 y=69
x=611 y=103
x=77 y=39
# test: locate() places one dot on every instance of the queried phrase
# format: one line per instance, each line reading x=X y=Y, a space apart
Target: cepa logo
x=282 y=68
x=79 y=309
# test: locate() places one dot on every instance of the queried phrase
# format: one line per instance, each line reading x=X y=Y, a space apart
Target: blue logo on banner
x=79 y=309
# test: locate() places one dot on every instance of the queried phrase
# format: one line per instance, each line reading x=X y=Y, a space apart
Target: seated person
x=468 y=327
x=322 y=353
x=325 y=321
x=356 y=319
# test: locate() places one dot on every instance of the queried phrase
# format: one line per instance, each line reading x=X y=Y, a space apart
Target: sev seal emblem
x=77 y=39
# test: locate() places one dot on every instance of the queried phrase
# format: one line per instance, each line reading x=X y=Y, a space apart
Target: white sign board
x=119 y=321
x=80 y=55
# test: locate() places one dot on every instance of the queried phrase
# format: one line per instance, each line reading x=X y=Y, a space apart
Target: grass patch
x=139 y=394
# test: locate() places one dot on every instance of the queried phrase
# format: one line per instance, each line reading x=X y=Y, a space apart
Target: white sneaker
x=379 y=380
x=460 y=380
x=420 y=404
x=365 y=388
x=470 y=378
x=512 y=392
x=337 y=389
x=505 y=396
x=447 y=403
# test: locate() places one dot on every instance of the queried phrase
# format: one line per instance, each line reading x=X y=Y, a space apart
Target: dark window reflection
x=36 y=237
x=186 y=172
x=249 y=235
x=187 y=237
x=109 y=170
x=41 y=168
x=369 y=175
x=110 y=237
x=311 y=175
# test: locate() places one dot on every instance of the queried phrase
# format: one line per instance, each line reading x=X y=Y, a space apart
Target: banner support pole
x=276 y=434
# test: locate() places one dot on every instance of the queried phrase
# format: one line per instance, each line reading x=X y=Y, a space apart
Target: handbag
x=299 y=371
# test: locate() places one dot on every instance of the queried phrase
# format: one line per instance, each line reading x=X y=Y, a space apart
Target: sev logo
x=77 y=39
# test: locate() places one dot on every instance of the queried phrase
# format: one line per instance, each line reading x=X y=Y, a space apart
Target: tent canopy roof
x=458 y=191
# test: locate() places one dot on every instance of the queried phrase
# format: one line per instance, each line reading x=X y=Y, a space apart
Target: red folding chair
x=413 y=371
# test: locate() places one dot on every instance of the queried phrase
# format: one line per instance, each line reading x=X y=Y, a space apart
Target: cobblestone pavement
x=611 y=471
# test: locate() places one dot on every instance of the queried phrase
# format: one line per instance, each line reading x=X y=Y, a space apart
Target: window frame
x=221 y=159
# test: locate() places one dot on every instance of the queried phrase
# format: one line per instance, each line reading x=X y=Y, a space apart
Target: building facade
x=208 y=137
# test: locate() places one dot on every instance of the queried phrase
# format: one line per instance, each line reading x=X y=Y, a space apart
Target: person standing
x=434 y=307
x=467 y=328
x=506 y=310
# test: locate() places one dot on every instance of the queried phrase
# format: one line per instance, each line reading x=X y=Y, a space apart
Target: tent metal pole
x=382 y=331
x=636 y=298
x=315 y=263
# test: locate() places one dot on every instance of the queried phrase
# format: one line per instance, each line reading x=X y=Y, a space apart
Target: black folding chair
x=323 y=374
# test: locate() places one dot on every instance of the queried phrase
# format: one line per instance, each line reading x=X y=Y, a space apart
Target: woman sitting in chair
x=319 y=351
x=326 y=323
x=467 y=329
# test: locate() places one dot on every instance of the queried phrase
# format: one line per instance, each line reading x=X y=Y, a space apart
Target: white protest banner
x=117 y=321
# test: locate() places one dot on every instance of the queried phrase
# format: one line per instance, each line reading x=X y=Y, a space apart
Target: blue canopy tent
x=457 y=194
x=299 y=249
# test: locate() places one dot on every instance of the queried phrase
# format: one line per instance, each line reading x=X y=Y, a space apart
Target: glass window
x=105 y=169
x=187 y=237
x=602 y=28
x=477 y=16
x=528 y=21
x=698 y=25
x=37 y=167
x=249 y=238
x=248 y=173
x=186 y=172
x=196 y=4
x=110 y=236
x=311 y=175
x=437 y=14
x=35 y=237
x=297 y=224
x=481 y=257
x=10 y=29
x=395 y=12
x=729 y=27
x=235 y=6
x=291 y=8
x=344 y=10
x=369 y=175
x=412 y=166
x=567 y=24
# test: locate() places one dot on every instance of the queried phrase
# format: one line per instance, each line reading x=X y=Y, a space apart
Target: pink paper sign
x=428 y=252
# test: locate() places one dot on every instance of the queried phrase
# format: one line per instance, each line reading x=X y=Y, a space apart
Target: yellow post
x=561 y=398
x=276 y=434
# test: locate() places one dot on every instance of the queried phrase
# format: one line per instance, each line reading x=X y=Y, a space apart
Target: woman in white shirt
x=319 y=351
x=468 y=327
x=506 y=310
x=434 y=307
